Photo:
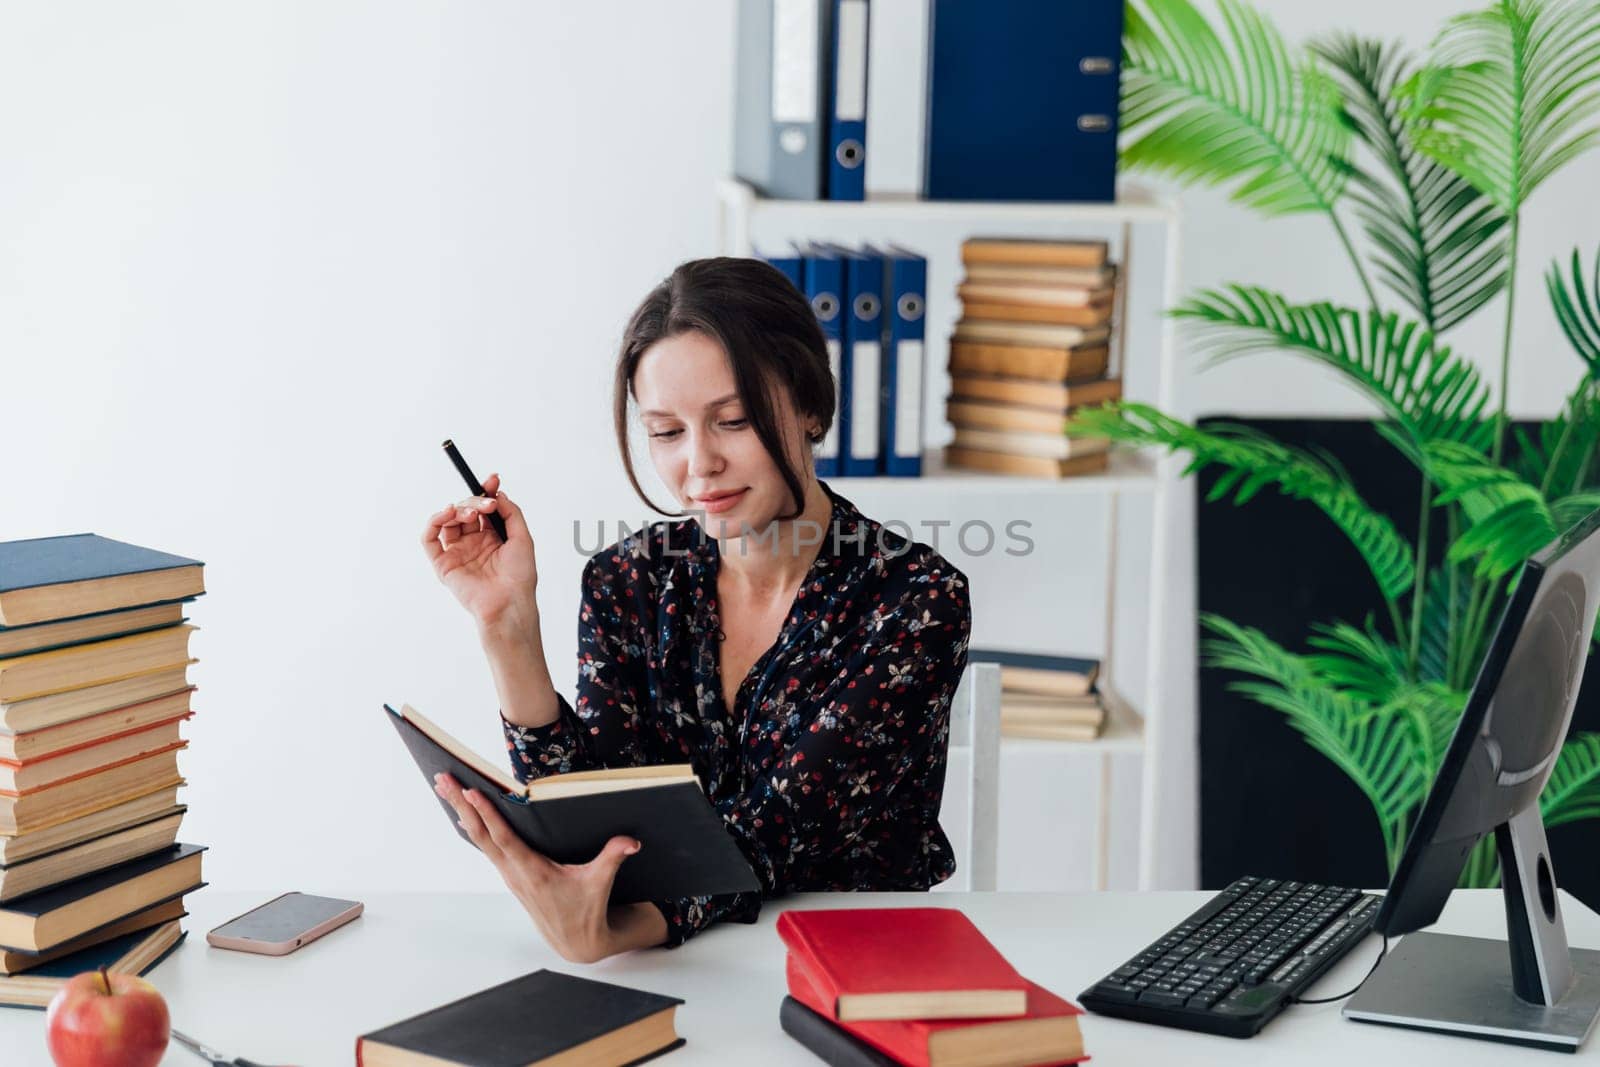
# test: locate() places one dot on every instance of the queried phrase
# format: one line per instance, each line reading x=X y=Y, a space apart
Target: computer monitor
x=1530 y=989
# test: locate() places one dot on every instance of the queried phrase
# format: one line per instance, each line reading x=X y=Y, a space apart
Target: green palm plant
x=1434 y=158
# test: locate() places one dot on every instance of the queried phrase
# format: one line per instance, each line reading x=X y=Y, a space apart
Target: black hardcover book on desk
x=539 y=1018
x=832 y=1044
x=686 y=850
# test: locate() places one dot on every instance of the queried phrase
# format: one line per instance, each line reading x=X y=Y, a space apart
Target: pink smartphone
x=284 y=923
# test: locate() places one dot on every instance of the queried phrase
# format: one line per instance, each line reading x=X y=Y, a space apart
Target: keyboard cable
x=1382 y=952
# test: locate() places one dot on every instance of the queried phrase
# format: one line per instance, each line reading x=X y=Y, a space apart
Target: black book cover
x=110 y=922
x=43 y=901
x=831 y=1043
x=1034 y=660
x=686 y=851
x=524 y=1021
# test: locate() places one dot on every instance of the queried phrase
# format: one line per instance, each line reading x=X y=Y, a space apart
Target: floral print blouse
x=829 y=770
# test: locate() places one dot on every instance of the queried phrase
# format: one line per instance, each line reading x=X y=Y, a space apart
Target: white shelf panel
x=1133 y=204
x=1128 y=472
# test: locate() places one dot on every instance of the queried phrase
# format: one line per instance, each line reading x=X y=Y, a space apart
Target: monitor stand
x=1548 y=998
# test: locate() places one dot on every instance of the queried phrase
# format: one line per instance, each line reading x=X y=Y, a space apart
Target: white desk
x=410 y=952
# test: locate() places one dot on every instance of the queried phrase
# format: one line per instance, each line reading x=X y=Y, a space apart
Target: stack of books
x=94 y=689
x=1053 y=698
x=919 y=986
x=1032 y=345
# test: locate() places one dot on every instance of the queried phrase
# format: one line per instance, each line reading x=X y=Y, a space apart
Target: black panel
x=1270 y=804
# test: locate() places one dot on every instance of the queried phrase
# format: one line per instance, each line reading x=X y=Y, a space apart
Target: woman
x=798 y=655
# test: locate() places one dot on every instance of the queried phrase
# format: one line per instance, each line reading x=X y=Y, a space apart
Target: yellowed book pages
x=70 y=800
x=36 y=933
x=88 y=857
x=1025 y=274
x=981 y=415
x=1030 y=466
x=20 y=962
x=23 y=847
x=25 y=716
x=64 y=767
x=30 y=991
x=1048 y=445
x=1029 y=333
x=1051 y=732
x=44 y=603
x=1059 y=397
x=1039 y=362
x=1091 y=714
x=1058 y=295
x=1034 y=251
x=1088 y=316
x=575 y=783
x=96 y=663
x=36 y=744
x=43 y=635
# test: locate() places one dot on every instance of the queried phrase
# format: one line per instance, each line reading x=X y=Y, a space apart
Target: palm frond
x=1572 y=509
x=1573 y=791
x=1506 y=96
x=1431 y=711
x=1360 y=661
x=1508 y=519
x=1437 y=241
x=1229 y=106
x=1577 y=307
x=1429 y=393
x=1558 y=455
x=1376 y=750
x=1433 y=653
x=1253 y=461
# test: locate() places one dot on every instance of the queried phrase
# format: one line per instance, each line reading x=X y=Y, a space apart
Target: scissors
x=211 y=1055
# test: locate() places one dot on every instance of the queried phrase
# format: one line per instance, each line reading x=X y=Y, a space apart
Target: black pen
x=495 y=519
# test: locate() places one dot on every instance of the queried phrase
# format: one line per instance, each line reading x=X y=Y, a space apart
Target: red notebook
x=1048 y=1034
x=902 y=963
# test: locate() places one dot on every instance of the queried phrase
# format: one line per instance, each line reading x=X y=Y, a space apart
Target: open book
x=686 y=850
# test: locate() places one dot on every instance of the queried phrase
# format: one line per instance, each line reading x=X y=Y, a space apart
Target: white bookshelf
x=1160 y=731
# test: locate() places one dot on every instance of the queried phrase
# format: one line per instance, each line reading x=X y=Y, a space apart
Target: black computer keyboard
x=1235 y=963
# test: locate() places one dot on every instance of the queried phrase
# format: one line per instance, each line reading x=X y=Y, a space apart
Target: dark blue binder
x=791 y=263
x=1022 y=100
x=847 y=111
x=905 y=288
x=861 y=440
x=823 y=286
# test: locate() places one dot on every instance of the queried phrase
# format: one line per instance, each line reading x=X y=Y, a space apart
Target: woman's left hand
x=569 y=903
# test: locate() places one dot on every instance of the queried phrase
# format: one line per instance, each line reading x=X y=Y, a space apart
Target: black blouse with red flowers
x=830 y=770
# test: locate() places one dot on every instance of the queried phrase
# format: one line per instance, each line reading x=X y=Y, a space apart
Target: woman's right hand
x=493 y=580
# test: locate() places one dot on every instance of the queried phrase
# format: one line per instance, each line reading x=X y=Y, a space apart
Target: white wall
x=257 y=260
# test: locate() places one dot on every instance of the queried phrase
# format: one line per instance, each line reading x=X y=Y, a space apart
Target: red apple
x=107 y=1020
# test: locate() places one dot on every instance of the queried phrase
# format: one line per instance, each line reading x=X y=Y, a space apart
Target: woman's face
x=701 y=444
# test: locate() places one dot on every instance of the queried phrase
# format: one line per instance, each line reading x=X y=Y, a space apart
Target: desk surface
x=413 y=951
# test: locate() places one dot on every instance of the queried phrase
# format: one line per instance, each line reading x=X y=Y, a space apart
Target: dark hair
x=771 y=336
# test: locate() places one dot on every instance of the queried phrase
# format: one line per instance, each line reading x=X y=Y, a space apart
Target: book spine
x=807 y=961
x=828 y=1042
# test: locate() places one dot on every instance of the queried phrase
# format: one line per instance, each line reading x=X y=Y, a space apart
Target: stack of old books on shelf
x=1051 y=698
x=918 y=986
x=94 y=659
x=1032 y=345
